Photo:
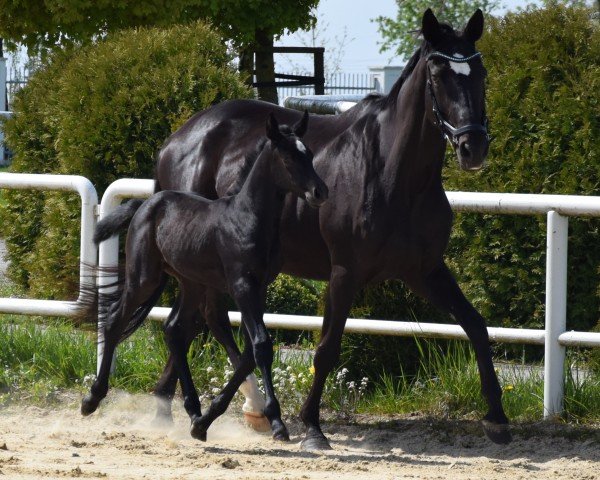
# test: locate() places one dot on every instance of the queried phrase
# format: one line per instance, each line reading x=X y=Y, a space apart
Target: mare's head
x=294 y=167
x=456 y=87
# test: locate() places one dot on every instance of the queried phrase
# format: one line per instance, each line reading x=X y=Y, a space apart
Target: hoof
x=281 y=434
x=198 y=431
x=315 y=441
x=89 y=405
x=258 y=423
x=497 y=432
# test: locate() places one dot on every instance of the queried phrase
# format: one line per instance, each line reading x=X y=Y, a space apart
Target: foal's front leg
x=220 y=403
x=250 y=298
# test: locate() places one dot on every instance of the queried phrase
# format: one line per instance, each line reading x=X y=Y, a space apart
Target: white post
x=2 y=103
x=108 y=251
x=556 y=312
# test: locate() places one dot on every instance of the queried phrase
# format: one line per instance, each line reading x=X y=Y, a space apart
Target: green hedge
x=102 y=112
x=544 y=106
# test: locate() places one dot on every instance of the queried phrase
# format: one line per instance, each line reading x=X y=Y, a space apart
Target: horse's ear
x=474 y=28
x=273 y=132
x=302 y=125
x=430 y=27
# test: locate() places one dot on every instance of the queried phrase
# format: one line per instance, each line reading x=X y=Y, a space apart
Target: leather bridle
x=450 y=132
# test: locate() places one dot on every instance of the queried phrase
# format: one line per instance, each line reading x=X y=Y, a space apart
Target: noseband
x=450 y=132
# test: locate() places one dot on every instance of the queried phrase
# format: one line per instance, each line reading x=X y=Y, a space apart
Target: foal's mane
x=249 y=161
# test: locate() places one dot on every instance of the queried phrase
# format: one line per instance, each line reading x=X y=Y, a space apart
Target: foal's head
x=294 y=168
x=456 y=87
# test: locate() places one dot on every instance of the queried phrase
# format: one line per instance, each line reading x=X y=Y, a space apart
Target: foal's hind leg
x=120 y=313
x=441 y=289
x=175 y=334
x=167 y=384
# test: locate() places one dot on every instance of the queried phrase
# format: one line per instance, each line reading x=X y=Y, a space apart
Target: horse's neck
x=415 y=147
x=260 y=194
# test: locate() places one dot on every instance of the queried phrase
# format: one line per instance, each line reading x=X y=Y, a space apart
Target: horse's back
x=205 y=154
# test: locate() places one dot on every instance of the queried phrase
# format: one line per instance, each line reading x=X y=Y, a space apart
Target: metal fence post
x=556 y=312
x=319 y=67
x=108 y=251
x=3 y=97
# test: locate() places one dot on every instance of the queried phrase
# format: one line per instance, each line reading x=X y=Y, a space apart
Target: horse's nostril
x=465 y=149
x=316 y=193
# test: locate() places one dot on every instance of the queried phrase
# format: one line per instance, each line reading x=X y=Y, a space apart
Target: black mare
x=228 y=245
x=388 y=216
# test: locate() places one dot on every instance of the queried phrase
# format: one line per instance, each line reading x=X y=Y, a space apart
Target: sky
x=356 y=16
x=354 y=19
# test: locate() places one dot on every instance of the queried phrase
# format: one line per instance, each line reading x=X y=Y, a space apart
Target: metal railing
x=88 y=249
x=554 y=337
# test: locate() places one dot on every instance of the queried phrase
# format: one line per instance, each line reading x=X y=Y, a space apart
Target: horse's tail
x=96 y=302
x=116 y=221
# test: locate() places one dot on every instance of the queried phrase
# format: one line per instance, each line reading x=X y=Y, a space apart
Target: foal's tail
x=116 y=221
x=105 y=301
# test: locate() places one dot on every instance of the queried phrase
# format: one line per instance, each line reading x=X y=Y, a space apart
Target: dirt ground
x=119 y=442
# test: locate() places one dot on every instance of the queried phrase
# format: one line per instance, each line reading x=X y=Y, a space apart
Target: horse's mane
x=383 y=101
x=249 y=161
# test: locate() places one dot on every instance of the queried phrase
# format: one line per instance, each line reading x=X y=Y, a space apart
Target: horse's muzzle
x=472 y=149
x=317 y=195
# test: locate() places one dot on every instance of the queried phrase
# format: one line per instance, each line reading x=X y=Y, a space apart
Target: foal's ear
x=430 y=27
x=474 y=28
x=273 y=132
x=302 y=125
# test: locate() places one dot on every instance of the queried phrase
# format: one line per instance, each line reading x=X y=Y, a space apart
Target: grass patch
x=447 y=385
x=41 y=357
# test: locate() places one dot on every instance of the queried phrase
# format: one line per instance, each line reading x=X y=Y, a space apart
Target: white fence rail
x=88 y=250
x=554 y=336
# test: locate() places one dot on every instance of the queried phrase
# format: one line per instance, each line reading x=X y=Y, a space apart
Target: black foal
x=229 y=245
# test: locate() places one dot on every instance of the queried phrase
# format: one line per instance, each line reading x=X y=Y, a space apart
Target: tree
x=399 y=34
x=251 y=25
x=101 y=111
x=317 y=36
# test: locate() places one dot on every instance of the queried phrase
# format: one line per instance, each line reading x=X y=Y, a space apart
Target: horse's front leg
x=220 y=403
x=250 y=298
x=218 y=322
x=167 y=384
x=442 y=290
x=342 y=287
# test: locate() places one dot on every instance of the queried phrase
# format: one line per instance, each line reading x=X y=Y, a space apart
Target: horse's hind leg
x=167 y=384
x=119 y=314
x=175 y=335
x=112 y=331
x=441 y=289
